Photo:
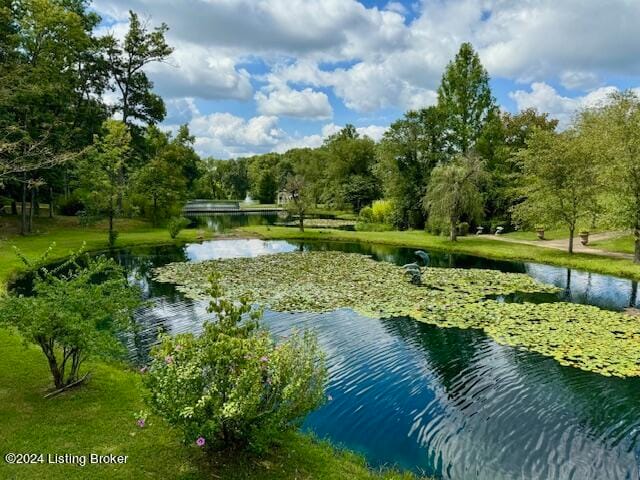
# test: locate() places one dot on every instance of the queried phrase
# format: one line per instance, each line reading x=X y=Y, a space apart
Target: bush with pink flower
x=232 y=385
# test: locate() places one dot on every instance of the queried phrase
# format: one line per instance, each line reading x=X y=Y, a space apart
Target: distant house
x=283 y=197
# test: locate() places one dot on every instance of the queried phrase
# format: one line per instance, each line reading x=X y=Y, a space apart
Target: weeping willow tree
x=454 y=192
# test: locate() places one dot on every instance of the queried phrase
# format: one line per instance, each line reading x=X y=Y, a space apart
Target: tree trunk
x=23 y=222
x=49 y=352
x=301 y=222
x=50 y=202
x=32 y=205
x=636 y=256
x=453 y=232
x=571 y=233
x=14 y=208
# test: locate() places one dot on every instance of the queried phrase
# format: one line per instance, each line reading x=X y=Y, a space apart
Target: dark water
x=444 y=402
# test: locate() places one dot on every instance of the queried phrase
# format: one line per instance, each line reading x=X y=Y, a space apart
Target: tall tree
x=559 y=180
x=615 y=129
x=100 y=179
x=466 y=99
x=454 y=191
x=127 y=60
x=408 y=152
x=299 y=201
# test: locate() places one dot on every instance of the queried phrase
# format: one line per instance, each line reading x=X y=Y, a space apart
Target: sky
x=257 y=76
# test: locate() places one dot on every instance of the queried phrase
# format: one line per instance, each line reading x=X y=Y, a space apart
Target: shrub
x=233 y=386
x=74 y=312
x=70 y=206
x=463 y=229
x=373 y=227
x=382 y=211
x=175 y=226
x=366 y=215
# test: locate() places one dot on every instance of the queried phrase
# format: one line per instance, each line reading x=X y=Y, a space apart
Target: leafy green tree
x=408 y=152
x=559 y=182
x=350 y=170
x=160 y=189
x=614 y=132
x=503 y=137
x=100 y=176
x=454 y=191
x=465 y=97
x=299 y=201
x=74 y=313
x=231 y=386
x=127 y=60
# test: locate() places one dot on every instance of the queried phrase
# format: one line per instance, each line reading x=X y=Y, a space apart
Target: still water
x=445 y=402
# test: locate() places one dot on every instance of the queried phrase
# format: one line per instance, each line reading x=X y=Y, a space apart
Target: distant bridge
x=209 y=207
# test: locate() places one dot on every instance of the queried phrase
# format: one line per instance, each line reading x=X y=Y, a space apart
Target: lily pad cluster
x=582 y=336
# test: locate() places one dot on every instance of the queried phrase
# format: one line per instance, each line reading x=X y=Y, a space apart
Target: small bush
x=76 y=311
x=382 y=211
x=71 y=206
x=366 y=215
x=176 y=225
x=233 y=386
x=463 y=229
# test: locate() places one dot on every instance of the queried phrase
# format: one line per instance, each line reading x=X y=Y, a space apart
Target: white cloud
x=284 y=101
x=546 y=99
x=224 y=135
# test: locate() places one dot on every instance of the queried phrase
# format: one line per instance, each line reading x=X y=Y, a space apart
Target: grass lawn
x=471 y=245
x=622 y=244
x=100 y=418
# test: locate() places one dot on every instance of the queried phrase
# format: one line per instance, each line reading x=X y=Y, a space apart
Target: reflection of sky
x=253 y=247
x=585 y=287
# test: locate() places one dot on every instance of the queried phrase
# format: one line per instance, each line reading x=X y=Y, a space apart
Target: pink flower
x=200 y=441
x=264 y=359
x=178 y=348
x=141 y=422
x=168 y=359
x=144 y=369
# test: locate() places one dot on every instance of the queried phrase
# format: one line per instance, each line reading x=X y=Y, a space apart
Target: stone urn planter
x=584 y=238
x=540 y=233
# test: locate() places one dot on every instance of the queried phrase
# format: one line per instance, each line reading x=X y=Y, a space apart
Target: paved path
x=563 y=244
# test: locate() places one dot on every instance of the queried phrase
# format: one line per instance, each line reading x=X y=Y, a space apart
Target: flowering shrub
x=233 y=385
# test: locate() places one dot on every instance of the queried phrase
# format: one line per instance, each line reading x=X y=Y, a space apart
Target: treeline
x=350 y=170
x=456 y=165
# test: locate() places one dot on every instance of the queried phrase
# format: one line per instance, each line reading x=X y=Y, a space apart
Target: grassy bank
x=622 y=244
x=100 y=418
x=471 y=245
x=69 y=235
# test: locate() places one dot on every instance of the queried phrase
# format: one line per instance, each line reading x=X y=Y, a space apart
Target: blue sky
x=253 y=76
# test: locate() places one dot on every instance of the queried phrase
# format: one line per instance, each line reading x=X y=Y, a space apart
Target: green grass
x=100 y=418
x=471 y=245
x=551 y=234
x=68 y=235
x=622 y=244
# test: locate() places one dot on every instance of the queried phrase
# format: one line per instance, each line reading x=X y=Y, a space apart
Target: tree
x=350 y=176
x=126 y=63
x=299 y=201
x=408 y=152
x=614 y=129
x=74 y=313
x=465 y=97
x=559 y=182
x=454 y=191
x=160 y=189
x=100 y=179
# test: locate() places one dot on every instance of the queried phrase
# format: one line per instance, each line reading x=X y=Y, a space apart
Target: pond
x=440 y=401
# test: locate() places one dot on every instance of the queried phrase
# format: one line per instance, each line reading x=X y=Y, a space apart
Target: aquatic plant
x=581 y=336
